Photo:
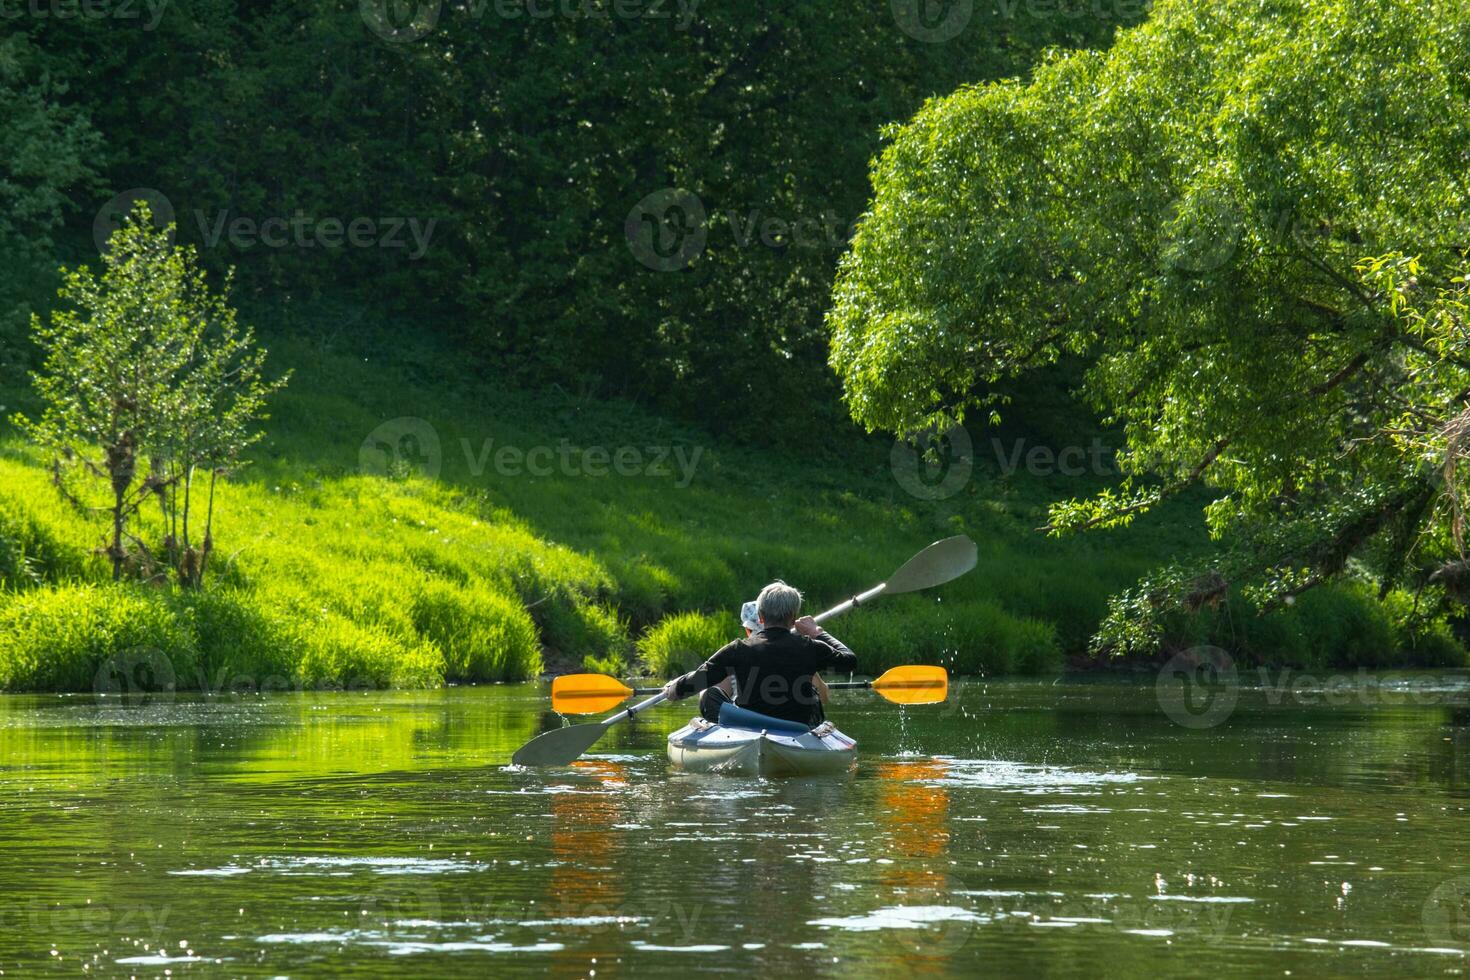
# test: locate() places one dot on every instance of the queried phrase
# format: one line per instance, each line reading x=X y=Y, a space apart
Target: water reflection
x=913 y=807
x=587 y=886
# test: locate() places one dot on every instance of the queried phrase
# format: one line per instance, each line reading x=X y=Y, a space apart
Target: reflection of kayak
x=753 y=744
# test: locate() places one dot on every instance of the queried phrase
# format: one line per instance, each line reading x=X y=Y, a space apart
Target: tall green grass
x=681 y=642
x=74 y=637
x=483 y=635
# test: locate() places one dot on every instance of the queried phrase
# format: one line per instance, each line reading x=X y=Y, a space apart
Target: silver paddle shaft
x=852 y=603
x=632 y=710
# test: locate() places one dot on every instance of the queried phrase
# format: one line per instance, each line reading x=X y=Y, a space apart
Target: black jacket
x=773 y=672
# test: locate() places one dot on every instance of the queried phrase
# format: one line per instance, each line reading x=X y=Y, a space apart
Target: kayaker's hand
x=671 y=690
x=807 y=626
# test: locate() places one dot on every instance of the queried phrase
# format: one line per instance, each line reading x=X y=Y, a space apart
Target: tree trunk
x=115 y=552
x=121 y=466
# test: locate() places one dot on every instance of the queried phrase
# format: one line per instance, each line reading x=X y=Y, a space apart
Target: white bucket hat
x=749 y=618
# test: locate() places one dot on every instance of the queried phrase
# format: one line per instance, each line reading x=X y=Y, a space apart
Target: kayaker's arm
x=711 y=672
x=842 y=659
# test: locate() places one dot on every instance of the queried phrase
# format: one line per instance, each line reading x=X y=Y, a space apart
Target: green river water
x=1023 y=828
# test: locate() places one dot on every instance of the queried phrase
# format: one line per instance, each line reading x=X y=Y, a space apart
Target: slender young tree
x=148 y=381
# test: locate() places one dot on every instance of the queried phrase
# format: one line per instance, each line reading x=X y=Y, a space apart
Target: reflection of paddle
x=941 y=562
x=591 y=694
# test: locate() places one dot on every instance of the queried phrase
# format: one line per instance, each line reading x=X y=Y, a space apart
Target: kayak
x=752 y=744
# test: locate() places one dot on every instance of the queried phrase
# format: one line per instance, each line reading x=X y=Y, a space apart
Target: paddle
x=590 y=694
x=941 y=562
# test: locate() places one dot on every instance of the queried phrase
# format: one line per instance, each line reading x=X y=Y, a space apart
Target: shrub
x=484 y=636
x=242 y=647
x=678 y=644
x=82 y=637
x=1344 y=627
x=339 y=653
x=963 y=637
x=1421 y=633
x=582 y=629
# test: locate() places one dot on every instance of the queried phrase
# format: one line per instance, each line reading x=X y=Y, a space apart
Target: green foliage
x=484 y=635
x=31 y=551
x=1246 y=220
x=416 y=579
x=244 y=644
x=977 y=638
x=337 y=652
x=767 y=112
x=679 y=643
x=1340 y=625
x=64 y=638
x=49 y=151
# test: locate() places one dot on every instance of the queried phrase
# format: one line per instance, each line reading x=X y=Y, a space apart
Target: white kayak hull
x=701 y=746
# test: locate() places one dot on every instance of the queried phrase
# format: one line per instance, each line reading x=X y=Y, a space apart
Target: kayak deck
x=702 y=746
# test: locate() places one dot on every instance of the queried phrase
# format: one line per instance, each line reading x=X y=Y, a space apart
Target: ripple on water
x=900 y=917
x=405 y=947
x=697 y=948
x=336 y=866
x=1019 y=777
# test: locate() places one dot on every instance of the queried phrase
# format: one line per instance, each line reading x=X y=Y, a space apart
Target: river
x=1023 y=828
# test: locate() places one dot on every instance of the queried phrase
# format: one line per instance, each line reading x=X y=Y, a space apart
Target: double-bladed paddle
x=590 y=694
x=941 y=562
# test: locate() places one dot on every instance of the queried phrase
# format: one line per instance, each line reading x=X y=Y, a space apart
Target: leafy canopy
x=1247 y=218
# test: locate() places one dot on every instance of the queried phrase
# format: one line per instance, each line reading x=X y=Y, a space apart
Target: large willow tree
x=1248 y=218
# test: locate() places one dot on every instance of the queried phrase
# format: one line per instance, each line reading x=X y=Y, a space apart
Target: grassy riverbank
x=486 y=533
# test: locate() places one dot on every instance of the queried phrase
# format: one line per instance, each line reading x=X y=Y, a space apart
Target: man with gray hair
x=775 y=666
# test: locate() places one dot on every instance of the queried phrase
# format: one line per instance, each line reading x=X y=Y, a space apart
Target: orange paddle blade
x=917 y=684
x=587 y=694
